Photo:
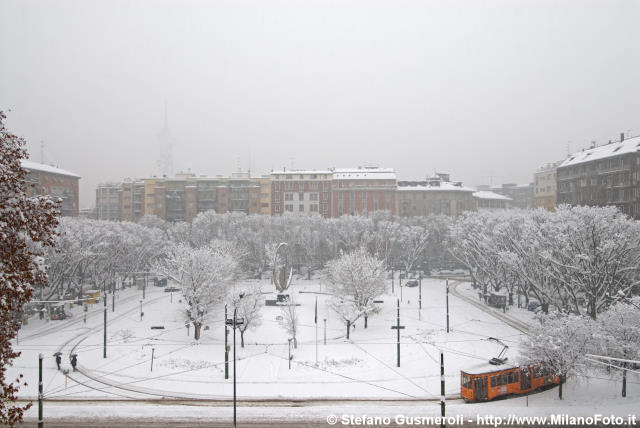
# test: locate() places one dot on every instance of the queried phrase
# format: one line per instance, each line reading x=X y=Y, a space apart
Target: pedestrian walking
x=74 y=361
x=58 y=360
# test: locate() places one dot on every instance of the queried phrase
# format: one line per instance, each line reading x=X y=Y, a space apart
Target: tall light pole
x=290 y=339
x=235 y=313
x=234 y=323
x=226 y=345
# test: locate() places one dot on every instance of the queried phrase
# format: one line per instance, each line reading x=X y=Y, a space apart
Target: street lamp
x=289 y=339
x=234 y=322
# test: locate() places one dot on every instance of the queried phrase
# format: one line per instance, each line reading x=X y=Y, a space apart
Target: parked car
x=411 y=283
x=533 y=305
x=171 y=289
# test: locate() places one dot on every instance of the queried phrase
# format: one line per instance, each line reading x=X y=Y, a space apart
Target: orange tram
x=487 y=381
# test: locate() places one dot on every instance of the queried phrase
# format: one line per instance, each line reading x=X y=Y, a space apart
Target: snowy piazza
x=307 y=214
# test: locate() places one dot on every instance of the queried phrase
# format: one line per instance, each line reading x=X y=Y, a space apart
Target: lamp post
x=234 y=322
x=290 y=339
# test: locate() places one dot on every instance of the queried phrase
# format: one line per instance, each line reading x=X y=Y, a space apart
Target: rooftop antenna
x=569 y=148
x=42 y=152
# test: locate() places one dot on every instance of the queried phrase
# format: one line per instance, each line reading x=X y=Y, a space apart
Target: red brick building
x=48 y=180
x=363 y=190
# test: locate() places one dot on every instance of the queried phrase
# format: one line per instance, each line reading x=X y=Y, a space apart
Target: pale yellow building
x=545 y=187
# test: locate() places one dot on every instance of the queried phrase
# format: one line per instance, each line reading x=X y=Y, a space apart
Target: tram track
x=518 y=325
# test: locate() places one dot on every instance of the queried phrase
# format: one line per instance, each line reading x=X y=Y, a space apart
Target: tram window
x=504 y=380
x=493 y=381
x=513 y=377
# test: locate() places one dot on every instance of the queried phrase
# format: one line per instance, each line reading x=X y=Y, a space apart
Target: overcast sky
x=473 y=88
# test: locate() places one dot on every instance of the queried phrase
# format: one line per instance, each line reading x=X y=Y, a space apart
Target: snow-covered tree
x=289 y=321
x=27 y=225
x=347 y=310
x=203 y=274
x=357 y=277
x=559 y=342
x=248 y=304
x=620 y=334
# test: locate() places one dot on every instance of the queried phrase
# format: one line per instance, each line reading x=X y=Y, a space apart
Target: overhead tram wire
x=348 y=377
x=119 y=385
x=394 y=370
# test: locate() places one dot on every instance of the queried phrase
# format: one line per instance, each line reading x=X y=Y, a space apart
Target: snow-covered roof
x=630 y=145
x=34 y=166
x=300 y=172
x=487 y=368
x=365 y=173
x=444 y=186
x=486 y=194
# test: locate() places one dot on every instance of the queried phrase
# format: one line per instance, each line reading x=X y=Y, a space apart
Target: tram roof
x=488 y=368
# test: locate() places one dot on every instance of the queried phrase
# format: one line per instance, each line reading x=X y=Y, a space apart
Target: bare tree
x=290 y=320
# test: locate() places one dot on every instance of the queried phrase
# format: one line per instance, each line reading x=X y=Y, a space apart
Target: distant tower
x=165 y=148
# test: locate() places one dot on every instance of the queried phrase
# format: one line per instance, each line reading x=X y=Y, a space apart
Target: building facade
x=488 y=200
x=436 y=195
x=301 y=192
x=131 y=200
x=44 y=179
x=604 y=175
x=521 y=195
x=108 y=201
x=363 y=190
x=544 y=187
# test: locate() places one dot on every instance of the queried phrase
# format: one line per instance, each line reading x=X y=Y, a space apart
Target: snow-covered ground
x=363 y=367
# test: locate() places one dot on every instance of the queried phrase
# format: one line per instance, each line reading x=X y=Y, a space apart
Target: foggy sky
x=473 y=88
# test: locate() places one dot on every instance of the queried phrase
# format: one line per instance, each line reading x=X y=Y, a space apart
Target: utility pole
x=104 y=348
x=398 y=327
x=113 y=297
x=40 y=392
x=152 y=352
x=442 y=394
x=447 y=283
x=226 y=345
x=141 y=311
x=289 y=353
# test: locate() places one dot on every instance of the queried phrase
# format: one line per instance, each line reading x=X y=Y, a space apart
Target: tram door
x=480 y=388
x=525 y=379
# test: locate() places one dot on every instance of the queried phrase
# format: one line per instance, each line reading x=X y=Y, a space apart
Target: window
x=313 y=196
x=493 y=381
x=288 y=196
x=301 y=196
x=301 y=208
x=289 y=208
x=314 y=208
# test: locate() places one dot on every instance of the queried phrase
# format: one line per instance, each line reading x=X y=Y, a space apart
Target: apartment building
x=301 y=192
x=604 y=175
x=131 y=200
x=544 y=187
x=488 y=200
x=521 y=195
x=108 y=201
x=363 y=190
x=44 y=179
x=436 y=195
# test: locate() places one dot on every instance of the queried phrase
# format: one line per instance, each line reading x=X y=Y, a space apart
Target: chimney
x=621 y=137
